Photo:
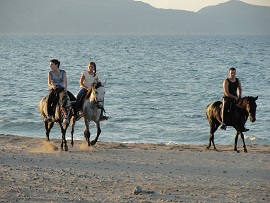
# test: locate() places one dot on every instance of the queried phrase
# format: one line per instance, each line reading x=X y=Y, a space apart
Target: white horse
x=92 y=107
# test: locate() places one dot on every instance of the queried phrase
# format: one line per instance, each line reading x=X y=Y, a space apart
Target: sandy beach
x=33 y=170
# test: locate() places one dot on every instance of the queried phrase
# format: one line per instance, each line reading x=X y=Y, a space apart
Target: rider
x=232 y=92
x=87 y=80
x=57 y=80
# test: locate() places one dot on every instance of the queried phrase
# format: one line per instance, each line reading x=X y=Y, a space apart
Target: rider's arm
x=82 y=78
x=50 y=84
x=65 y=80
x=226 y=90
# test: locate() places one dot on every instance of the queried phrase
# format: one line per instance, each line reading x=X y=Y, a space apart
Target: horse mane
x=64 y=99
x=89 y=91
x=98 y=85
x=88 y=94
x=241 y=103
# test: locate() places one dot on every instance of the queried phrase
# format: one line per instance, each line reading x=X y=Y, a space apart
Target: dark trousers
x=80 y=97
x=227 y=101
x=52 y=99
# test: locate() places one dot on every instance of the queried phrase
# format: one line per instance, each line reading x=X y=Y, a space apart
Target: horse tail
x=207 y=111
x=42 y=106
x=213 y=110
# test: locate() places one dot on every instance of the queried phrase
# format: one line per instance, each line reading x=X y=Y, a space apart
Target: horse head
x=251 y=108
x=97 y=95
x=249 y=104
x=65 y=107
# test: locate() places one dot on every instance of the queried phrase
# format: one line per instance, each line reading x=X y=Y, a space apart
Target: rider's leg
x=224 y=115
x=79 y=103
x=50 y=109
x=80 y=97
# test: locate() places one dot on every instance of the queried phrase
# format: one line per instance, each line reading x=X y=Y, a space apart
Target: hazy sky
x=195 y=5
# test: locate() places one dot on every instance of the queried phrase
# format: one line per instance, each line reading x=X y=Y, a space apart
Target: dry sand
x=32 y=170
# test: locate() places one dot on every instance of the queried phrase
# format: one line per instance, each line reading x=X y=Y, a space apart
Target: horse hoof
x=245 y=150
x=93 y=142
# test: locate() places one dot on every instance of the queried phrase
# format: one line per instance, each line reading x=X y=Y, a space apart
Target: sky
x=195 y=5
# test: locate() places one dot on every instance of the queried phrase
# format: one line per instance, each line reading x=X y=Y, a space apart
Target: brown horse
x=63 y=116
x=240 y=111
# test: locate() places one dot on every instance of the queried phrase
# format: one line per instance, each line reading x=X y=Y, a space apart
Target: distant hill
x=129 y=17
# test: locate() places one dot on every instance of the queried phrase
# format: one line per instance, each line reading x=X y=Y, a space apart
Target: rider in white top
x=87 y=80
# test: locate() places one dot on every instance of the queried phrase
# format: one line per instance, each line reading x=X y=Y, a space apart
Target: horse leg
x=244 y=144
x=64 y=142
x=72 y=131
x=235 y=141
x=93 y=142
x=87 y=132
x=213 y=128
x=48 y=126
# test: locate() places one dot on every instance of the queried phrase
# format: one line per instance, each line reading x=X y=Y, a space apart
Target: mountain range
x=129 y=17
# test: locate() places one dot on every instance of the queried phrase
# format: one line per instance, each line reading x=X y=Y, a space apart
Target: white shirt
x=89 y=79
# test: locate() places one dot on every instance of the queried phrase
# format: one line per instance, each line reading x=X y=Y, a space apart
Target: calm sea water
x=157 y=86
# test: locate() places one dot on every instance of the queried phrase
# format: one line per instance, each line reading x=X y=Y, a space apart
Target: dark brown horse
x=240 y=111
x=63 y=116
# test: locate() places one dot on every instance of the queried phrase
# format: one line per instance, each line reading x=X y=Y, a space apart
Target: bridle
x=96 y=101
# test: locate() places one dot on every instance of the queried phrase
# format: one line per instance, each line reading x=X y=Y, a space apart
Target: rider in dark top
x=232 y=92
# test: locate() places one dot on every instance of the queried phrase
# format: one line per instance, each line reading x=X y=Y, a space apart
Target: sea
x=157 y=86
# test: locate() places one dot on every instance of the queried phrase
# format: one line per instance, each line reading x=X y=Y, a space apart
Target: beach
x=33 y=170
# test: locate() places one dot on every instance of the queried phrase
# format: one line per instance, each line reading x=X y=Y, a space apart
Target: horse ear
x=104 y=83
x=256 y=98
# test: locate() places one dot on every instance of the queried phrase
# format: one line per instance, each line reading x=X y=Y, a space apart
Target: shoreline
x=33 y=170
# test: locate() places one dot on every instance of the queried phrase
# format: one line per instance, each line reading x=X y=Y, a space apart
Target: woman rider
x=57 y=79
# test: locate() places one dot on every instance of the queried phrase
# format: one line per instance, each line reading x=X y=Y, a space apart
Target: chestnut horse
x=240 y=111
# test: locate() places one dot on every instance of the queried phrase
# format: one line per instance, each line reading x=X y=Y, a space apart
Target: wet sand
x=32 y=170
